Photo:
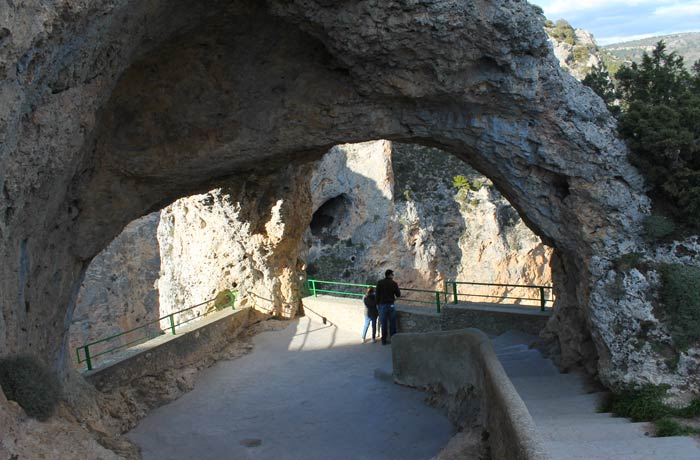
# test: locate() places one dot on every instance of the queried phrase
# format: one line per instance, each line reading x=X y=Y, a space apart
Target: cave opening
x=329 y=218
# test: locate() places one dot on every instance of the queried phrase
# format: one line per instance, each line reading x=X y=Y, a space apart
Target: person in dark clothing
x=387 y=292
x=371 y=314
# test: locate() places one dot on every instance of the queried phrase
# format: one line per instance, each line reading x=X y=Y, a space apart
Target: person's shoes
x=374 y=340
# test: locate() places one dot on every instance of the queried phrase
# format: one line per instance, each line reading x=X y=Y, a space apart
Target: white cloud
x=564 y=7
x=612 y=21
x=678 y=10
x=622 y=38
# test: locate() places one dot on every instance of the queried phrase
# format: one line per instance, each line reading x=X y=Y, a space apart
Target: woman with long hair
x=371 y=314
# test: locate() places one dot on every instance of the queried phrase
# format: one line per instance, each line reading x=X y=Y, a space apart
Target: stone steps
x=566 y=414
x=585 y=431
x=672 y=448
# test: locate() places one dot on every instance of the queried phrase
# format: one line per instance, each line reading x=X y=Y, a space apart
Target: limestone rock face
x=657 y=359
x=578 y=58
x=24 y=437
x=241 y=236
x=380 y=205
x=119 y=291
x=111 y=109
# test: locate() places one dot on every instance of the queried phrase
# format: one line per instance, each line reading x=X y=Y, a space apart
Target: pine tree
x=600 y=82
x=661 y=122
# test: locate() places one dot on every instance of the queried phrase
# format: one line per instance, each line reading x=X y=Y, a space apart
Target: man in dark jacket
x=387 y=292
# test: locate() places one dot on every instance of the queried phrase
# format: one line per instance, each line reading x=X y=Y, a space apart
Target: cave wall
x=120 y=291
x=243 y=235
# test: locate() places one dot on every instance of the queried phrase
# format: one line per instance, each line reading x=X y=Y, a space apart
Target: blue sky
x=613 y=21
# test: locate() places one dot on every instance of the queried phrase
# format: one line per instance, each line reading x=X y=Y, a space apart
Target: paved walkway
x=306 y=392
x=567 y=415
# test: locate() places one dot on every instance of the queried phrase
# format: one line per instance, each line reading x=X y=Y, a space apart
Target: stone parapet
x=189 y=346
x=463 y=366
x=494 y=319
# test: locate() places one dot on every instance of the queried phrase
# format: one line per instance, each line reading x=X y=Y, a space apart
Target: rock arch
x=111 y=110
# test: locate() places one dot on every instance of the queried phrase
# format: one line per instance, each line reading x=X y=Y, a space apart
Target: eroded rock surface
x=244 y=236
x=59 y=437
x=119 y=291
x=111 y=109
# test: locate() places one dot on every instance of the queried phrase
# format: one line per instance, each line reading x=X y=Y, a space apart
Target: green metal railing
x=451 y=288
x=87 y=356
x=418 y=296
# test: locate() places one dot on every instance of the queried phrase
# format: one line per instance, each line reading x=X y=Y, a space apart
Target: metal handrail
x=315 y=290
x=87 y=357
x=542 y=299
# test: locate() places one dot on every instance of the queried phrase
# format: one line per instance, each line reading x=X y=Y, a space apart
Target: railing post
x=88 y=361
x=172 y=323
x=454 y=291
x=542 y=299
x=313 y=287
x=437 y=301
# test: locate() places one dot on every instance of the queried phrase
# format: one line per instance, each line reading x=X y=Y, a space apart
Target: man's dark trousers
x=387 y=313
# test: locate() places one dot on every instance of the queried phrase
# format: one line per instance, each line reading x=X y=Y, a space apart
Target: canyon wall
x=380 y=205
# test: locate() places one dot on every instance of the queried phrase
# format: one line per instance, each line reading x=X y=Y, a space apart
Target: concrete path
x=306 y=392
x=567 y=415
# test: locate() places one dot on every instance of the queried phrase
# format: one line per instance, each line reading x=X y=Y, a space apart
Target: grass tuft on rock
x=658 y=227
x=669 y=427
x=645 y=404
x=27 y=381
x=628 y=261
x=641 y=405
x=680 y=296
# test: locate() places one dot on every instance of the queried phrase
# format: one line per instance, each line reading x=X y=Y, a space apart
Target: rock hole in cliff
x=329 y=217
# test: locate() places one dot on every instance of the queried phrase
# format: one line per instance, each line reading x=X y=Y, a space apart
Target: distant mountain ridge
x=685 y=44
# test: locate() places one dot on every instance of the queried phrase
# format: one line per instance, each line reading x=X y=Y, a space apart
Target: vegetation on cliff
x=28 y=382
x=658 y=101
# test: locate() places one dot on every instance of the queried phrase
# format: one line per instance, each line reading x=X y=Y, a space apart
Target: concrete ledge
x=190 y=345
x=463 y=362
x=493 y=318
x=349 y=313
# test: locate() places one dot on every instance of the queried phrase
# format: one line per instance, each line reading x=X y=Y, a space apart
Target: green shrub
x=28 y=382
x=461 y=182
x=689 y=411
x=680 y=297
x=641 y=405
x=658 y=227
x=616 y=288
x=668 y=427
x=627 y=262
x=581 y=53
x=564 y=32
x=645 y=404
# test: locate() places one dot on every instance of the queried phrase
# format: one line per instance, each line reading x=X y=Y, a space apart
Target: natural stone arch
x=233 y=88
